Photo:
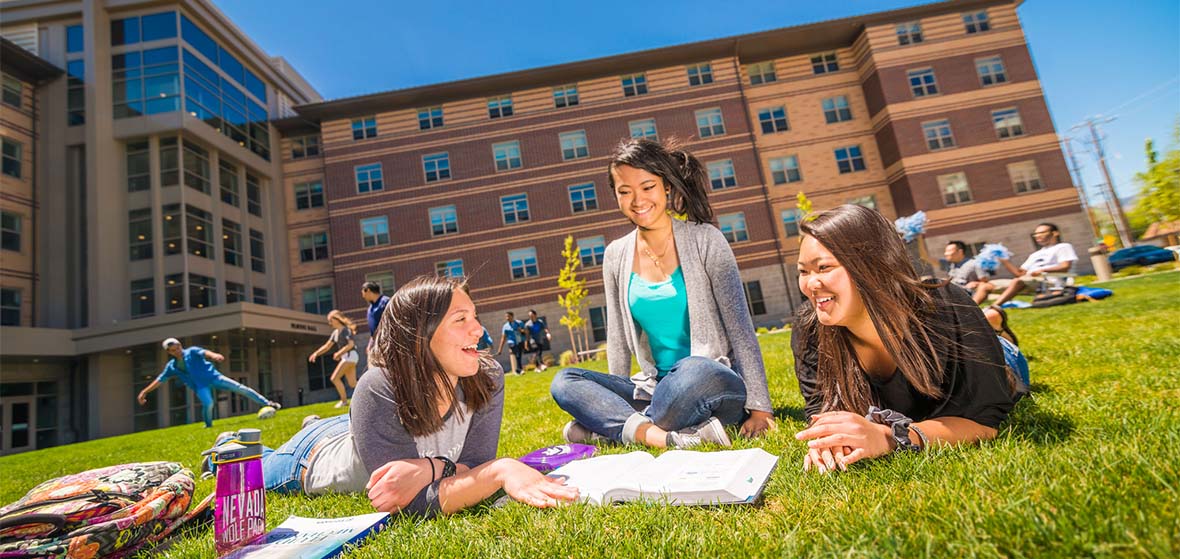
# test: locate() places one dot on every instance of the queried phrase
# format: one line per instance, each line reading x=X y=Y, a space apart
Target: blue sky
x=1110 y=58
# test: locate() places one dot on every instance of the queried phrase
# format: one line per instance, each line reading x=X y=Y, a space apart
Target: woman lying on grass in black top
x=885 y=361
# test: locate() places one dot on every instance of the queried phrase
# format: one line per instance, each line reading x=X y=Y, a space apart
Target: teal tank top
x=661 y=310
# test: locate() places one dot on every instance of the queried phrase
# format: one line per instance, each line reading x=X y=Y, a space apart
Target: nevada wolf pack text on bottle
x=240 y=513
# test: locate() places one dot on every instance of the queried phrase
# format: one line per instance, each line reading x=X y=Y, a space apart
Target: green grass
x=1087 y=468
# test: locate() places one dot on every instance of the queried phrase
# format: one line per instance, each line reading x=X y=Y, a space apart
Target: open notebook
x=676 y=477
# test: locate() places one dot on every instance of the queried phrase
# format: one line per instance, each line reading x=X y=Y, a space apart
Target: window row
x=956 y=190
x=772 y=120
x=910 y=32
x=188 y=162
x=1005 y=122
x=990 y=70
x=192 y=232
x=188 y=291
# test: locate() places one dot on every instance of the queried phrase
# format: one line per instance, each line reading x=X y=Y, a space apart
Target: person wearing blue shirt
x=192 y=366
x=371 y=293
x=485 y=341
x=510 y=334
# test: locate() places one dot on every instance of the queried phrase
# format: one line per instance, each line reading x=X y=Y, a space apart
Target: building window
x=976 y=22
x=305 y=146
x=74 y=39
x=309 y=195
x=169 y=162
x=436 y=166
x=383 y=279
x=139 y=174
x=368 y=178
x=234 y=293
x=198 y=231
x=523 y=263
x=75 y=92
x=574 y=145
x=318 y=300
x=754 y=300
x=773 y=120
x=443 y=221
x=260 y=296
x=139 y=228
x=909 y=33
x=174 y=293
x=849 y=159
x=1025 y=177
x=10 y=158
x=10 y=231
x=12 y=91
x=922 y=82
x=836 y=109
x=196 y=167
x=700 y=74
x=869 y=201
x=500 y=106
x=791 y=222
x=202 y=291
x=710 y=123
x=143 y=298
x=583 y=198
x=761 y=72
x=991 y=70
x=515 y=208
x=363 y=128
x=506 y=155
x=634 y=84
x=257 y=252
x=721 y=174
x=938 y=134
x=598 y=324
x=431 y=117
x=954 y=189
x=146 y=82
x=645 y=128
x=253 y=195
x=824 y=63
x=231 y=242
x=565 y=95
x=785 y=169
x=733 y=227
x=449 y=268
x=173 y=232
x=10 y=307
x=148 y=28
x=374 y=231
x=217 y=101
x=230 y=193
x=313 y=246
x=591 y=250
x=1007 y=123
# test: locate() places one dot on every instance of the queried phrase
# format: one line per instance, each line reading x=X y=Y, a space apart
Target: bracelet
x=921 y=436
x=899 y=427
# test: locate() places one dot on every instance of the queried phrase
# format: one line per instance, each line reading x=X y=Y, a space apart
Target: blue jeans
x=222 y=382
x=1015 y=361
x=282 y=468
x=696 y=389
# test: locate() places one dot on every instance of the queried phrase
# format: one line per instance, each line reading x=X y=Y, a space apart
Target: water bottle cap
x=247 y=436
x=245 y=445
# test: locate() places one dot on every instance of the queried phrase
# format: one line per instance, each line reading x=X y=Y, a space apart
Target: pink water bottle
x=239 y=515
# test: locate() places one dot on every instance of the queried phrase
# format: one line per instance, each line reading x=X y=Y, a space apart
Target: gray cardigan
x=719 y=320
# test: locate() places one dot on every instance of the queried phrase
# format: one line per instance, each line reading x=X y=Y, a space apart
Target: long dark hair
x=683 y=174
x=899 y=304
x=402 y=348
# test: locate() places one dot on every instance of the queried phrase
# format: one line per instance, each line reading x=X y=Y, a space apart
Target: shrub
x=762 y=330
x=567 y=358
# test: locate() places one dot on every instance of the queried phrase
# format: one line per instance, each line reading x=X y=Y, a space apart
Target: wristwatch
x=899 y=427
x=448 y=467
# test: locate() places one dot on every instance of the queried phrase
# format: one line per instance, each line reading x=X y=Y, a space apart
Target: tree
x=804 y=206
x=574 y=295
x=1159 y=194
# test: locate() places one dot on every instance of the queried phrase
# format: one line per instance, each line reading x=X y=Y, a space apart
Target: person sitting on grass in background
x=1053 y=256
x=192 y=367
x=342 y=339
x=422 y=433
x=674 y=301
x=967 y=273
x=887 y=362
x=537 y=339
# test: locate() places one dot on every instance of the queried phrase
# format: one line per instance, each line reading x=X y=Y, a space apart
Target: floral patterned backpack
x=106 y=512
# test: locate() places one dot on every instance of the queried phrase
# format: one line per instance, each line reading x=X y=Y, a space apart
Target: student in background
x=537 y=339
x=346 y=356
x=193 y=367
x=371 y=293
x=510 y=333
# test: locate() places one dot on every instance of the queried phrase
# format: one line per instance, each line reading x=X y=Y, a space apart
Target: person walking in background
x=537 y=339
x=371 y=293
x=192 y=366
x=510 y=334
x=345 y=354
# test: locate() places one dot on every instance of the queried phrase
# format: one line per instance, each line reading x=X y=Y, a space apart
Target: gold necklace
x=655 y=259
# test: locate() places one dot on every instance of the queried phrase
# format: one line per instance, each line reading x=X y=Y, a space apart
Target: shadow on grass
x=790 y=412
x=1041 y=426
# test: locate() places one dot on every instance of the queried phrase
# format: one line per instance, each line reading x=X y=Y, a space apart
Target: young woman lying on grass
x=886 y=362
x=425 y=421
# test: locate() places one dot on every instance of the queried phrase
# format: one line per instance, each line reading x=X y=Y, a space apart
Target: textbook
x=311 y=538
x=676 y=477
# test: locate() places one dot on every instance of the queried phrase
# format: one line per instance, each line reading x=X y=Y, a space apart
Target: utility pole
x=1120 y=219
x=1079 y=183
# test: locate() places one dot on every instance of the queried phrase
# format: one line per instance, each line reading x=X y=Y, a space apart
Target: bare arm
x=322 y=350
x=1060 y=267
x=1012 y=269
x=859 y=438
x=142 y=398
x=500 y=346
x=344 y=350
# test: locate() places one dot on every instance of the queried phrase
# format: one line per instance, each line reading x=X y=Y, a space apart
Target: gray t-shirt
x=376 y=437
x=341 y=337
x=966 y=272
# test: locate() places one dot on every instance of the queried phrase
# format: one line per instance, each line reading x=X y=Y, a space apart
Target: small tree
x=575 y=293
x=803 y=205
x=1159 y=195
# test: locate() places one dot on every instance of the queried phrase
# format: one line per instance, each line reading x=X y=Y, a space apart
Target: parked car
x=1140 y=255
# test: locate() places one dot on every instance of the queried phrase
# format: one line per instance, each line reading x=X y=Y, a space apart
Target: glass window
x=761 y=72
x=229 y=183
x=374 y=231
x=733 y=227
x=74 y=38
x=368 y=178
x=773 y=120
x=309 y=195
x=169 y=162
x=721 y=174
x=710 y=123
x=598 y=323
x=12 y=91
x=159 y=26
x=431 y=117
x=234 y=292
x=146 y=82
x=260 y=296
x=143 y=298
x=574 y=145
x=436 y=166
x=76 y=92
x=785 y=169
x=791 y=222
x=922 y=82
x=515 y=208
x=443 y=221
x=507 y=155
x=824 y=63
x=9 y=307
x=174 y=293
x=449 y=268
x=1007 y=123
x=976 y=22
x=196 y=167
x=565 y=95
x=10 y=158
x=318 y=300
x=257 y=252
x=634 y=84
x=231 y=242
x=199 y=231
x=313 y=246
x=139 y=228
x=363 y=128
x=869 y=201
x=523 y=263
x=305 y=146
x=144 y=370
x=253 y=195
x=938 y=134
x=173 y=232
x=583 y=198
x=849 y=159
x=991 y=70
x=700 y=74
x=954 y=188
x=645 y=128
x=10 y=231
x=1025 y=177
x=591 y=250
x=383 y=279
x=139 y=176
x=754 y=300
x=909 y=33
x=124 y=31
x=202 y=291
x=500 y=106
x=836 y=109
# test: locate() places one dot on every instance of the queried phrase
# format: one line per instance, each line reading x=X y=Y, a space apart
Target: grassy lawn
x=1088 y=467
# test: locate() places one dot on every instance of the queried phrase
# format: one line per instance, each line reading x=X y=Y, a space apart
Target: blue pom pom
x=910 y=227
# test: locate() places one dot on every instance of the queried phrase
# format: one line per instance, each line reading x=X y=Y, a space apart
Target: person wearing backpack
x=193 y=366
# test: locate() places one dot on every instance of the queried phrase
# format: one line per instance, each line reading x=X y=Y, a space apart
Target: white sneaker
x=711 y=431
x=575 y=432
x=340 y=405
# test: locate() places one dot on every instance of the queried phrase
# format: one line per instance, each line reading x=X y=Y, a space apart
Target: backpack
x=1068 y=294
x=105 y=512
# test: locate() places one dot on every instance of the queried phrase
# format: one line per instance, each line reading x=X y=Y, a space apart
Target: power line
x=1141 y=95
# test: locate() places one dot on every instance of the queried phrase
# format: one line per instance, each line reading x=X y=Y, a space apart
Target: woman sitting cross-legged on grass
x=425 y=419
x=674 y=300
x=885 y=361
